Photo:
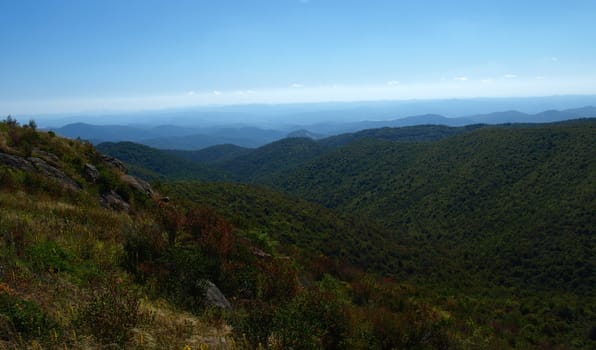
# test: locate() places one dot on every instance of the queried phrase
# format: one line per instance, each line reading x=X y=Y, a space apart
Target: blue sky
x=84 y=55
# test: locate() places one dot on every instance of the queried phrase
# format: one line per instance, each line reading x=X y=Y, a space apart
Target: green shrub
x=111 y=313
x=187 y=270
x=49 y=256
x=313 y=320
x=253 y=323
x=22 y=317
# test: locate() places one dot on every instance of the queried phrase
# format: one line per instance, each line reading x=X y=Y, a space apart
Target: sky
x=61 y=56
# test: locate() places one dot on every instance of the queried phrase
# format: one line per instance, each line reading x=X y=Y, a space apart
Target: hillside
x=91 y=257
x=230 y=162
x=153 y=164
x=471 y=196
x=499 y=215
x=418 y=133
x=213 y=154
x=295 y=222
x=272 y=158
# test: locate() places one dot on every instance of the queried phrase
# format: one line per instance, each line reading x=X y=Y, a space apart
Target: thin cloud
x=464 y=78
x=510 y=76
x=296 y=85
x=216 y=92
x=392 y=83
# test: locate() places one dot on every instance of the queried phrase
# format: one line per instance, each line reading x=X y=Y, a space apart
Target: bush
x=111 y=313
x=49 y=256
x=313 y=320
x=187 y=270
x=22 y=317
x=253 y=323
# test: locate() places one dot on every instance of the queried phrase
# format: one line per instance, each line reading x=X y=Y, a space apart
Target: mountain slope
x=293 y=221
x=212 y=154
x=418 y=133
x=512 y=202
x=79 y=272
x=153 y=164
x=272 y=158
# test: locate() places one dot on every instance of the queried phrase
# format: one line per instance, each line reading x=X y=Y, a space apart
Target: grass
x=54 y=257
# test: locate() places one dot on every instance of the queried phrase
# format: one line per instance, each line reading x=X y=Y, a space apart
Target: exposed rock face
x=52 y=172
x=50 y=158
x=114 y=162
x=16 y=162
x=34 y=164
x=138 y=185
x=91 y=173
x=214 y=297
x=114 y=201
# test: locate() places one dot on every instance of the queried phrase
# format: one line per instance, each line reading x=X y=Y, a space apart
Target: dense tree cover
x=515 y=202
x=230 y=162
x=417 y=133
x=275 y=217
x=213 y=154
x=153 y=164
x=273 y=158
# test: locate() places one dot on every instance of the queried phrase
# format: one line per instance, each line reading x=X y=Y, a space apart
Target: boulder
x=114 y=201
x=114 y=163
x=214 y=297
x=91 y=173
x=138 y=185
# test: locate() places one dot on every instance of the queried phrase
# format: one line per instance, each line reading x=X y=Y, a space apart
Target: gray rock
x=91 y=173
x=50 y=158
x=114 y=162
x=138 y=185
x=114 y=201
x=16 y=162
x=35 y=164
x=214 y=297
x=52 y=172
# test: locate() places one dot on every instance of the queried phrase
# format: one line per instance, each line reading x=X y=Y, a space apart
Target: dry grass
x=167 y=328
x=93 y=236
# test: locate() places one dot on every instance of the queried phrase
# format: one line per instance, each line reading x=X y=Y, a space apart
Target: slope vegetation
x=153 y=164
x=91 y=257
x=518 y=203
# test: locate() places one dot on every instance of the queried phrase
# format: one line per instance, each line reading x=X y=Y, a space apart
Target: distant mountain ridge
x=175 y=137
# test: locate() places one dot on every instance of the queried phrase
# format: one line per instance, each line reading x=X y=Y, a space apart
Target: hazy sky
x=77 y=55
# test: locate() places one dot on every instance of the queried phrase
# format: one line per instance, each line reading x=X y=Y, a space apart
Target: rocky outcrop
x=35 y=164
x=52 y=172
x=138 y=185
x=49 y=157
x=113 y=162
x=214 y=297
x=114 y=201
x=91 y=173
x=16 y=162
